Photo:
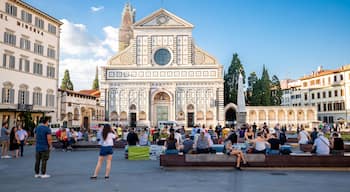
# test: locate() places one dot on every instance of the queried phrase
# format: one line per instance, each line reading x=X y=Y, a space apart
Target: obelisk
x=241 y=113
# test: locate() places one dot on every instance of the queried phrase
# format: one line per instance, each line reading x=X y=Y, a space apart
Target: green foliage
x=231 y=79
x=266 y=92
x=66 y=82
x=29 y=124
x=95 y=84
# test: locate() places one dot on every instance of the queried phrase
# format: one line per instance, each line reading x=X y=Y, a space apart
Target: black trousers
x=41 y=157
x=21 y=145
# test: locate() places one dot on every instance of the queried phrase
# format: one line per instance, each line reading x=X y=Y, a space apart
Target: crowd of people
x=12 y=140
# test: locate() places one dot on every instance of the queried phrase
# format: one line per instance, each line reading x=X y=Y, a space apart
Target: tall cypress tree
x=66 y=82
x=265 y=88
x=231 y=79
x=276 y=92
x=95 y=84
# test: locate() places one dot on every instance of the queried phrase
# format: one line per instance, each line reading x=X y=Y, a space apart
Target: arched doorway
x=190 y=115
x=162 y=104
x=230 y=114
x=132 y=115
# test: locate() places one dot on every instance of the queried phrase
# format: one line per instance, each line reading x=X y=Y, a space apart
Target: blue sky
x=291 y=37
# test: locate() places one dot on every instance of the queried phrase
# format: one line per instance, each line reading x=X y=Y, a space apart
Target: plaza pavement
x=70 y=172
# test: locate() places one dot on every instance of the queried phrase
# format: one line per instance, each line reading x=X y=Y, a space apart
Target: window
x=51 y=53
x=324 y=94
x=313 y=95
x=23 y=97
x=329 y=94
x=51 y=28
x=38 y=68
x=50 y=71
x=26 y=66
x=37 y=98
x=329 y=106
x=341 y=92
x=8 y=95
x=38 y=49
x=26 y=17
x=305 y=96
x=11 y=9
x=39 y=23
x=336 y=93
x=335 y=78
x=324 y=107
x=305 y=84
x=25 y=44
x=10 y=38
x=341 y=77
x=50 y=100
x=318 y=107
x=318 y=95
x=12 y=62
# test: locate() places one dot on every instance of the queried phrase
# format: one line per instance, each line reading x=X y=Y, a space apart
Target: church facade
x=160 y=74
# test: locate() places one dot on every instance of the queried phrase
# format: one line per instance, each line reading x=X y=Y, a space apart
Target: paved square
x=70 y=171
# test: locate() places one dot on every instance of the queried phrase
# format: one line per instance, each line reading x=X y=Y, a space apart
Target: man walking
x=43 y=140
x=22 y=135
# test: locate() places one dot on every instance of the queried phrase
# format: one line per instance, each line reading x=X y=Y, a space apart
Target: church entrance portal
x=162 y=104
x=230 y=117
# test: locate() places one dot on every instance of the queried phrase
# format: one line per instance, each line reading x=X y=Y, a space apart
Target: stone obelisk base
x=241 y=119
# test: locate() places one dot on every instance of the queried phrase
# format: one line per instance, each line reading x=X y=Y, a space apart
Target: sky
x=290 y=37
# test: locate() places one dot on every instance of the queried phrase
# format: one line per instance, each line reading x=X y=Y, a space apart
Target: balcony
x=24 y=107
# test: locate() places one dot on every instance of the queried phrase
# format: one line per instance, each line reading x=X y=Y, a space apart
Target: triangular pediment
x=163 y=18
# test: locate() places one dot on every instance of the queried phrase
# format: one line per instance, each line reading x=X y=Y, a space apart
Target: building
x=327 y=90
x=29 y=48
x=160 y=74
x=79 y=109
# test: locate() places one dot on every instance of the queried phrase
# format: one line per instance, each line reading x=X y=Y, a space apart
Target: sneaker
x=45 y=176
x=37 y=176
x=238 y=168
x=6 y=157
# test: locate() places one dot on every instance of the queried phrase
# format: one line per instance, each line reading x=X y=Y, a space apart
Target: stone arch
x=37 y=89
x=23 y=87
x=210 y=115
x=281 y=115
x=310 y=114
x=230 y=113
x=290 y=115
x=8 y=84
x=200 y=115
x=272 y=115
x=262 y=115
x=253 y=115
x=76 y=114
x=123 y=116
x=132 y=107
x=142 y=115
x=114 y=116
x=300 y=115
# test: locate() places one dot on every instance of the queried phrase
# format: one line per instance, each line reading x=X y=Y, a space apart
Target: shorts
x=106 y=150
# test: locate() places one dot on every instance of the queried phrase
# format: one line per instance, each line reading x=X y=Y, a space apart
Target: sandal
x=93 y=177
x=106 y=177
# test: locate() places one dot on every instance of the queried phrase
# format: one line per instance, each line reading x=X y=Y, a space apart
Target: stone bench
x=222 y=158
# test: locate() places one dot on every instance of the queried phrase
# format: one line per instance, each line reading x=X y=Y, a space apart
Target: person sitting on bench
x=230 y=150
x=171 y=144
x=202 y=143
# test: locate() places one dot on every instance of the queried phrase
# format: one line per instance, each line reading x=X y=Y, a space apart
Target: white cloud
x=96 y=9
x=81 y=52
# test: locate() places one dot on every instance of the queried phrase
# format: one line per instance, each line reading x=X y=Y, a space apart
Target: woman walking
x=14 y=142
x=106 y=151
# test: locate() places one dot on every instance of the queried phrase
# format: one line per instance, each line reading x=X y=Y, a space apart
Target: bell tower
x=125 y=29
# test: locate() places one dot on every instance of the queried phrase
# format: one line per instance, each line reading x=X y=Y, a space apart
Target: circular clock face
x=162 y=56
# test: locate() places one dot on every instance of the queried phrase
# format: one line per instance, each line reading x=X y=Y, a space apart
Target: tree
x=265 y=88
x=66 y=82
x=231 y=79
x=276 y=92
x=252 y=79
x=95 y=84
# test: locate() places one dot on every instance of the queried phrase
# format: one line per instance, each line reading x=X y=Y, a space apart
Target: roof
x=80 y=92
x=326 y=72
x=24 y=4
x=92 y=92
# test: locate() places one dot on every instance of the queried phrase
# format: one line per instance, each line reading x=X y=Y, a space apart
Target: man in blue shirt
x=43 y=140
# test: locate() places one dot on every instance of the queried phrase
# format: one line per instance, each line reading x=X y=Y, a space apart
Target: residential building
x=327 y=90
x=29 y=48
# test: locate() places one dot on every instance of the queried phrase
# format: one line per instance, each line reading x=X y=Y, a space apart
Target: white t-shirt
x=303 y=137
x=108 y=141
x=143 y=139
x=178 y=138
x=322 y=145
x=22 y=134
